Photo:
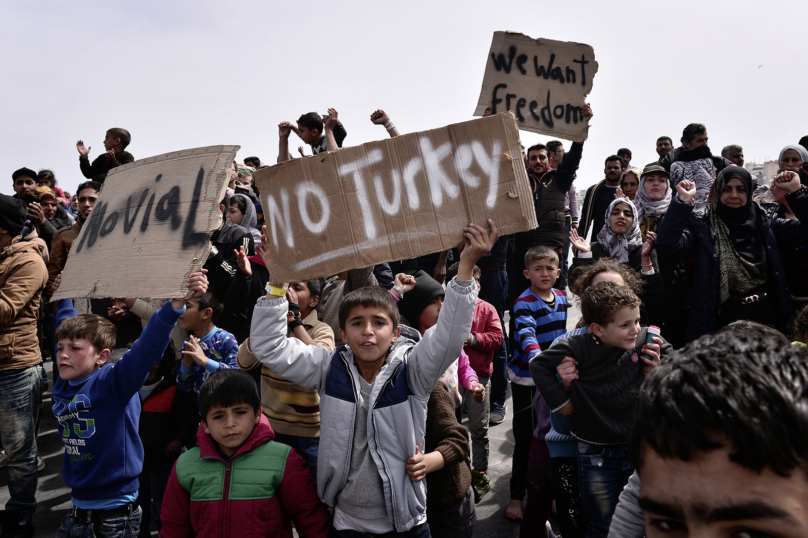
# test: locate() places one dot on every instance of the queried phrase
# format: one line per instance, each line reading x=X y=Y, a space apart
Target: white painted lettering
x=282 y=219
x=355 y=168
x=438 y=180
x=393 y=206
x=302 y=191
x=463 y=158
x=490 y=165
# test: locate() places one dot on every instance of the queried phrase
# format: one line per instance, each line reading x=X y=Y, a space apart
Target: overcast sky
x=184 y=74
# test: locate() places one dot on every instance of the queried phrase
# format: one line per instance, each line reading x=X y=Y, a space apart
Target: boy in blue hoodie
x=209 y=349
x=98 y=412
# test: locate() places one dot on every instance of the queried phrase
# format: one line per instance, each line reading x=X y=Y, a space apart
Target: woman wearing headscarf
x=736 y=251
x=795 y=159
x=630 y=182
x=621 y=239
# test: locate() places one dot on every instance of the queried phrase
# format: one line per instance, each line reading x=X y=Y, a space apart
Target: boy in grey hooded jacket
x=373 y=391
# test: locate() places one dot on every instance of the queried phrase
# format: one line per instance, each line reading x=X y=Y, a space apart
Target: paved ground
x=54 y=496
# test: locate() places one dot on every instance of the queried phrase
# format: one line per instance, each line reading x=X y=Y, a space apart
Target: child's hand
x=481 y=241
x=487 y=112
x=653 y=351
x=263 y=248
x=83 y=151
x=568 y=371
x=416 y=466
x=110 y=155
x=405 y=282
x=194 y=351
x=300 y=149
x=198 y=283
x=284 y=128
x=478 y=391
x=330 y=120
x=568 y=410
x=579 y=243
x=243 y=262
x=379 y=117
x=173 y=449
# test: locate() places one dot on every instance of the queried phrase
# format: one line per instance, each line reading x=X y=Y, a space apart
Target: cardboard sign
x=150 y=227
x=543 y=82
x=394 y=199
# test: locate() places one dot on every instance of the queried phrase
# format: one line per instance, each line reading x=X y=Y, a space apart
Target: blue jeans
x=100 y=527
x=19 y=407
x=565 y=253
x=306 y=447
x=421 y=531
x=603 y=472
x=494 y=290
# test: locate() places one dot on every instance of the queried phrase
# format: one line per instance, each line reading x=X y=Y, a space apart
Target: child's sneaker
x=481 y=485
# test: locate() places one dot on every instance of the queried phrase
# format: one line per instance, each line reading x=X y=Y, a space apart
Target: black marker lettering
x=190 y=238
x=533 y=105
x=520 y=61
x=558 y=113
x=583 y=63
x=541 y=71
x=520 y=104
x=168 y=207
x=146 y=214
x=127 y=223
x=575 y=112
x=93 y=226
x=548 y=118
x=556 y=75
x=499 y=60
x=508 y=98
x=496 y=99
x=570 y=75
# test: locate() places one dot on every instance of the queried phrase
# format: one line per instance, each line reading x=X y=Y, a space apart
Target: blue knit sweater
x=98 y=419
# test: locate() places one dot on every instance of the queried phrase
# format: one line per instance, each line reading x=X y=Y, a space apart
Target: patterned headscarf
x=696 y=165
x=651 y=208
x=738 y=246
x=619 y=246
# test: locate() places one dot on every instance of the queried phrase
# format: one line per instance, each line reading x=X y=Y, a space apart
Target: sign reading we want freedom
x=543 y=82
x=394 y=199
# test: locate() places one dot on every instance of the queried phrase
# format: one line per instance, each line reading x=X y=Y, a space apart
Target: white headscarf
x=799 y=149
x=651 y=208
x=619 y=246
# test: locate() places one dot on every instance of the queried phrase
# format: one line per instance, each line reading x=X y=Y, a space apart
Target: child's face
x=110 y=141
x=429 y=315
x=369 y=333
x=193 y=318
x=477 y=281
x=309 y=136
x=78 y=358
x=623 y=331
x=608 y=276
x=542 y=274
x=304 y=298
x=234 y=214
x=231 y=426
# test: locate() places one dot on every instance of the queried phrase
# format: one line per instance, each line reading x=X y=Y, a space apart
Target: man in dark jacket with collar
x=694 y=135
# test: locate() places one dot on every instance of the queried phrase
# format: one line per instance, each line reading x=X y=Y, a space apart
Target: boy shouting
x=373 y=392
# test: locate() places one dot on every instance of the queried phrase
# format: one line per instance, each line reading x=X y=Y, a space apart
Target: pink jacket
x=487 y=330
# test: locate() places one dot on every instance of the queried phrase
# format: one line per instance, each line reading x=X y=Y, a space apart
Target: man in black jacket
x=694 y=135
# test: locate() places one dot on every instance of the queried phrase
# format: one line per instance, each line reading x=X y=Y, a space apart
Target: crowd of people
x=336 y=405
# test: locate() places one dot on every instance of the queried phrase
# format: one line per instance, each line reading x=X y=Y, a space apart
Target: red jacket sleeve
x=491 y=337
x=175 y=515
x=298 y=497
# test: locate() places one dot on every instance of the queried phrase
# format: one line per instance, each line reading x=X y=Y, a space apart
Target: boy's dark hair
x=96 y=186
x=755 y=329
x=315 y=286
x=536 y=147
x=46 y=175
x=600 y=302
x=612 y=158
x=553 y=145
x=540 y=252
x=624 y=151
x=311 y=120
x=253 y=159
x=123 y=134
x=451 y=272
x=365 y=297
x=804 y=141
x=669 y=139
x=799 y=326
x=581 y=278
x=226 y=389
x=743 y=391
x=692 y=130
x=100 y=332
x=239 y=202
x=211 y=300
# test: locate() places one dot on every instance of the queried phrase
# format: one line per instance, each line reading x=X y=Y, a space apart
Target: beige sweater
x=291 y=409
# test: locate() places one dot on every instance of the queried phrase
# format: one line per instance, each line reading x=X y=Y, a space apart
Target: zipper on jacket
x=223 y=519
x=353 y=424
x=379 y=451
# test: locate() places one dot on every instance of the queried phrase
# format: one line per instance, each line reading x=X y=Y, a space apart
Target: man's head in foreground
x=721 y=440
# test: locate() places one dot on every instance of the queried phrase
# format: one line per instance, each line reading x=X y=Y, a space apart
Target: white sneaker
x=3 y=458
x=40 y=464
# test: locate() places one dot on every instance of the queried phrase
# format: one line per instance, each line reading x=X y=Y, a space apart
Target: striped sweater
x=537 y=325
x=291 y=409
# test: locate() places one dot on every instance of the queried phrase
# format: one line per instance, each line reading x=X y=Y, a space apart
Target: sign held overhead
x=394 y=199
x=150 y=227
x=543 y=82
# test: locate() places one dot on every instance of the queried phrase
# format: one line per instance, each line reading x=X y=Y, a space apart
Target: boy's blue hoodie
x=221 y=348
x=98 y=416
